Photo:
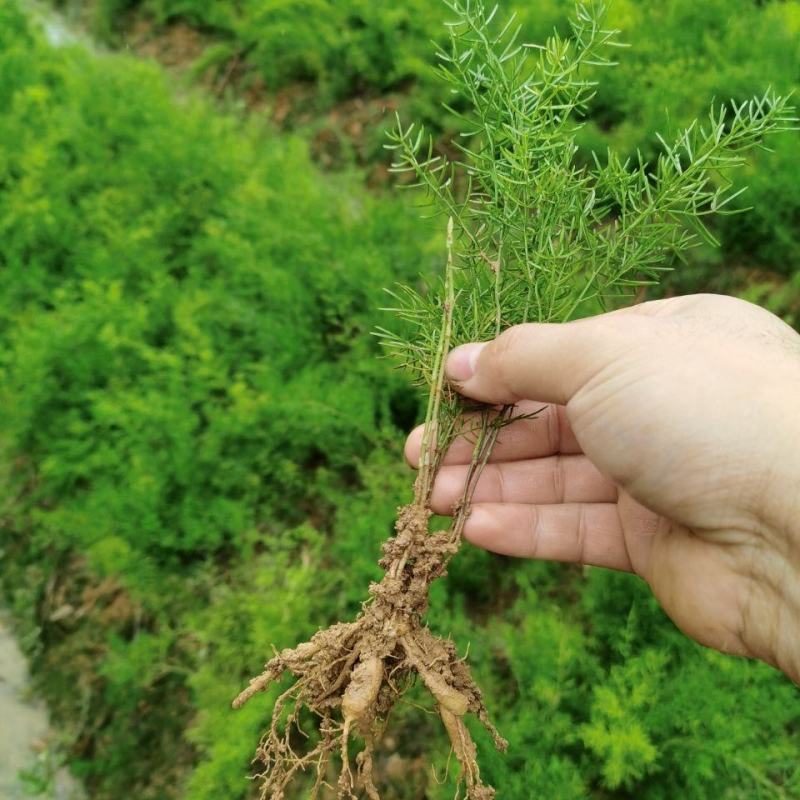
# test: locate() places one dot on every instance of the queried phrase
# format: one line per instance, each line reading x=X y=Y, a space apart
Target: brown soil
x=176 y=46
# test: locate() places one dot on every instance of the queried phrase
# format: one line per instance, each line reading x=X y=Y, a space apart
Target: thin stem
x=498 y=282
x=431 y=432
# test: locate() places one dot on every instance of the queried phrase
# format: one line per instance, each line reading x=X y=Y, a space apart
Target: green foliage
x=606 y=698
x=343 y=47
x=186 y=375
x=160 y=290
x=541 y=237
x=235 y=631
x=685 y=55
x=199 y=450
x=767 y=234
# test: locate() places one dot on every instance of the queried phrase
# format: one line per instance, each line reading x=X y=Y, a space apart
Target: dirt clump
x=352 y=674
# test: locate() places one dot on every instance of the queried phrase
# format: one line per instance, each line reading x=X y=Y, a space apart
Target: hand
x=670 y=448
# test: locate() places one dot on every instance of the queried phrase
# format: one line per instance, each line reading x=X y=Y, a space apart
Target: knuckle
x=559 y=479
x=582 y=534
x=534 y=532
x=554 y=422
x=505 y=353
x=615 y=334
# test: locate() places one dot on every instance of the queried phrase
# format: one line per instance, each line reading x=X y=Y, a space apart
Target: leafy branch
x=541 y=236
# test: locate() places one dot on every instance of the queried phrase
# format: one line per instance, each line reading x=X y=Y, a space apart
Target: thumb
x=547 y=362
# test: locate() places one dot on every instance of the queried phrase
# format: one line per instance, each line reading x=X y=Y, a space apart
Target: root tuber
x=356 y=669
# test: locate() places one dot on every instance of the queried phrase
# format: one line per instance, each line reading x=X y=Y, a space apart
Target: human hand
x=670 y=448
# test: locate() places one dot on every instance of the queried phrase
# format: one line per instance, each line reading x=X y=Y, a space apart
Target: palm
x=674 y=457
x=542 y=497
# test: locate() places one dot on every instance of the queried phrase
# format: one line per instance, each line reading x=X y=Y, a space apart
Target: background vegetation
x=199 y=450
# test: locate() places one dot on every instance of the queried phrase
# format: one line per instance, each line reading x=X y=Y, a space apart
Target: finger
x=583 y=533
x=547 y=361
x=548 y=433
x=557 y=479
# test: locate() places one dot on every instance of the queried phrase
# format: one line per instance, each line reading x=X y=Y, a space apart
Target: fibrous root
x=351 y=675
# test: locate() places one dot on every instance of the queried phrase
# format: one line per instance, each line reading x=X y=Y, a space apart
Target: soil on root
x=352 y=674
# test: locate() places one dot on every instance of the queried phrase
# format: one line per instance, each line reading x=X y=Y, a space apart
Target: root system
x=352 y=674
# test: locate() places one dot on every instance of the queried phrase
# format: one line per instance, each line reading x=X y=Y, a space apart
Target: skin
x=668 y=445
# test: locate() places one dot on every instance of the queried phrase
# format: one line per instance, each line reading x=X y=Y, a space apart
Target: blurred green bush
x=199 y=450
x=684 y=55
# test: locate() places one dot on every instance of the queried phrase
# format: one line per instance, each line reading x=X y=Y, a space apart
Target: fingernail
x=461 y=362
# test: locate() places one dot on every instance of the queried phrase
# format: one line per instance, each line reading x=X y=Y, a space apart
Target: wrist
x=787 y=648
x=793 y=587
x=770 y=610
x=786 y=652
x=781 y=567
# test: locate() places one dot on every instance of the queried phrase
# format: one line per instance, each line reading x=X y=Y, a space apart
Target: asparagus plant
x=532 y=234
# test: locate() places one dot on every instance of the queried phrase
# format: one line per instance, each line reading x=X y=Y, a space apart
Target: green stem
x=498 y=283
x=430 y=436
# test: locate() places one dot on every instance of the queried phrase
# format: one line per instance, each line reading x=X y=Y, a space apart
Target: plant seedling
x=533 y=234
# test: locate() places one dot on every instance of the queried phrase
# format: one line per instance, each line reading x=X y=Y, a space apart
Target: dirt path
x=24 y=730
